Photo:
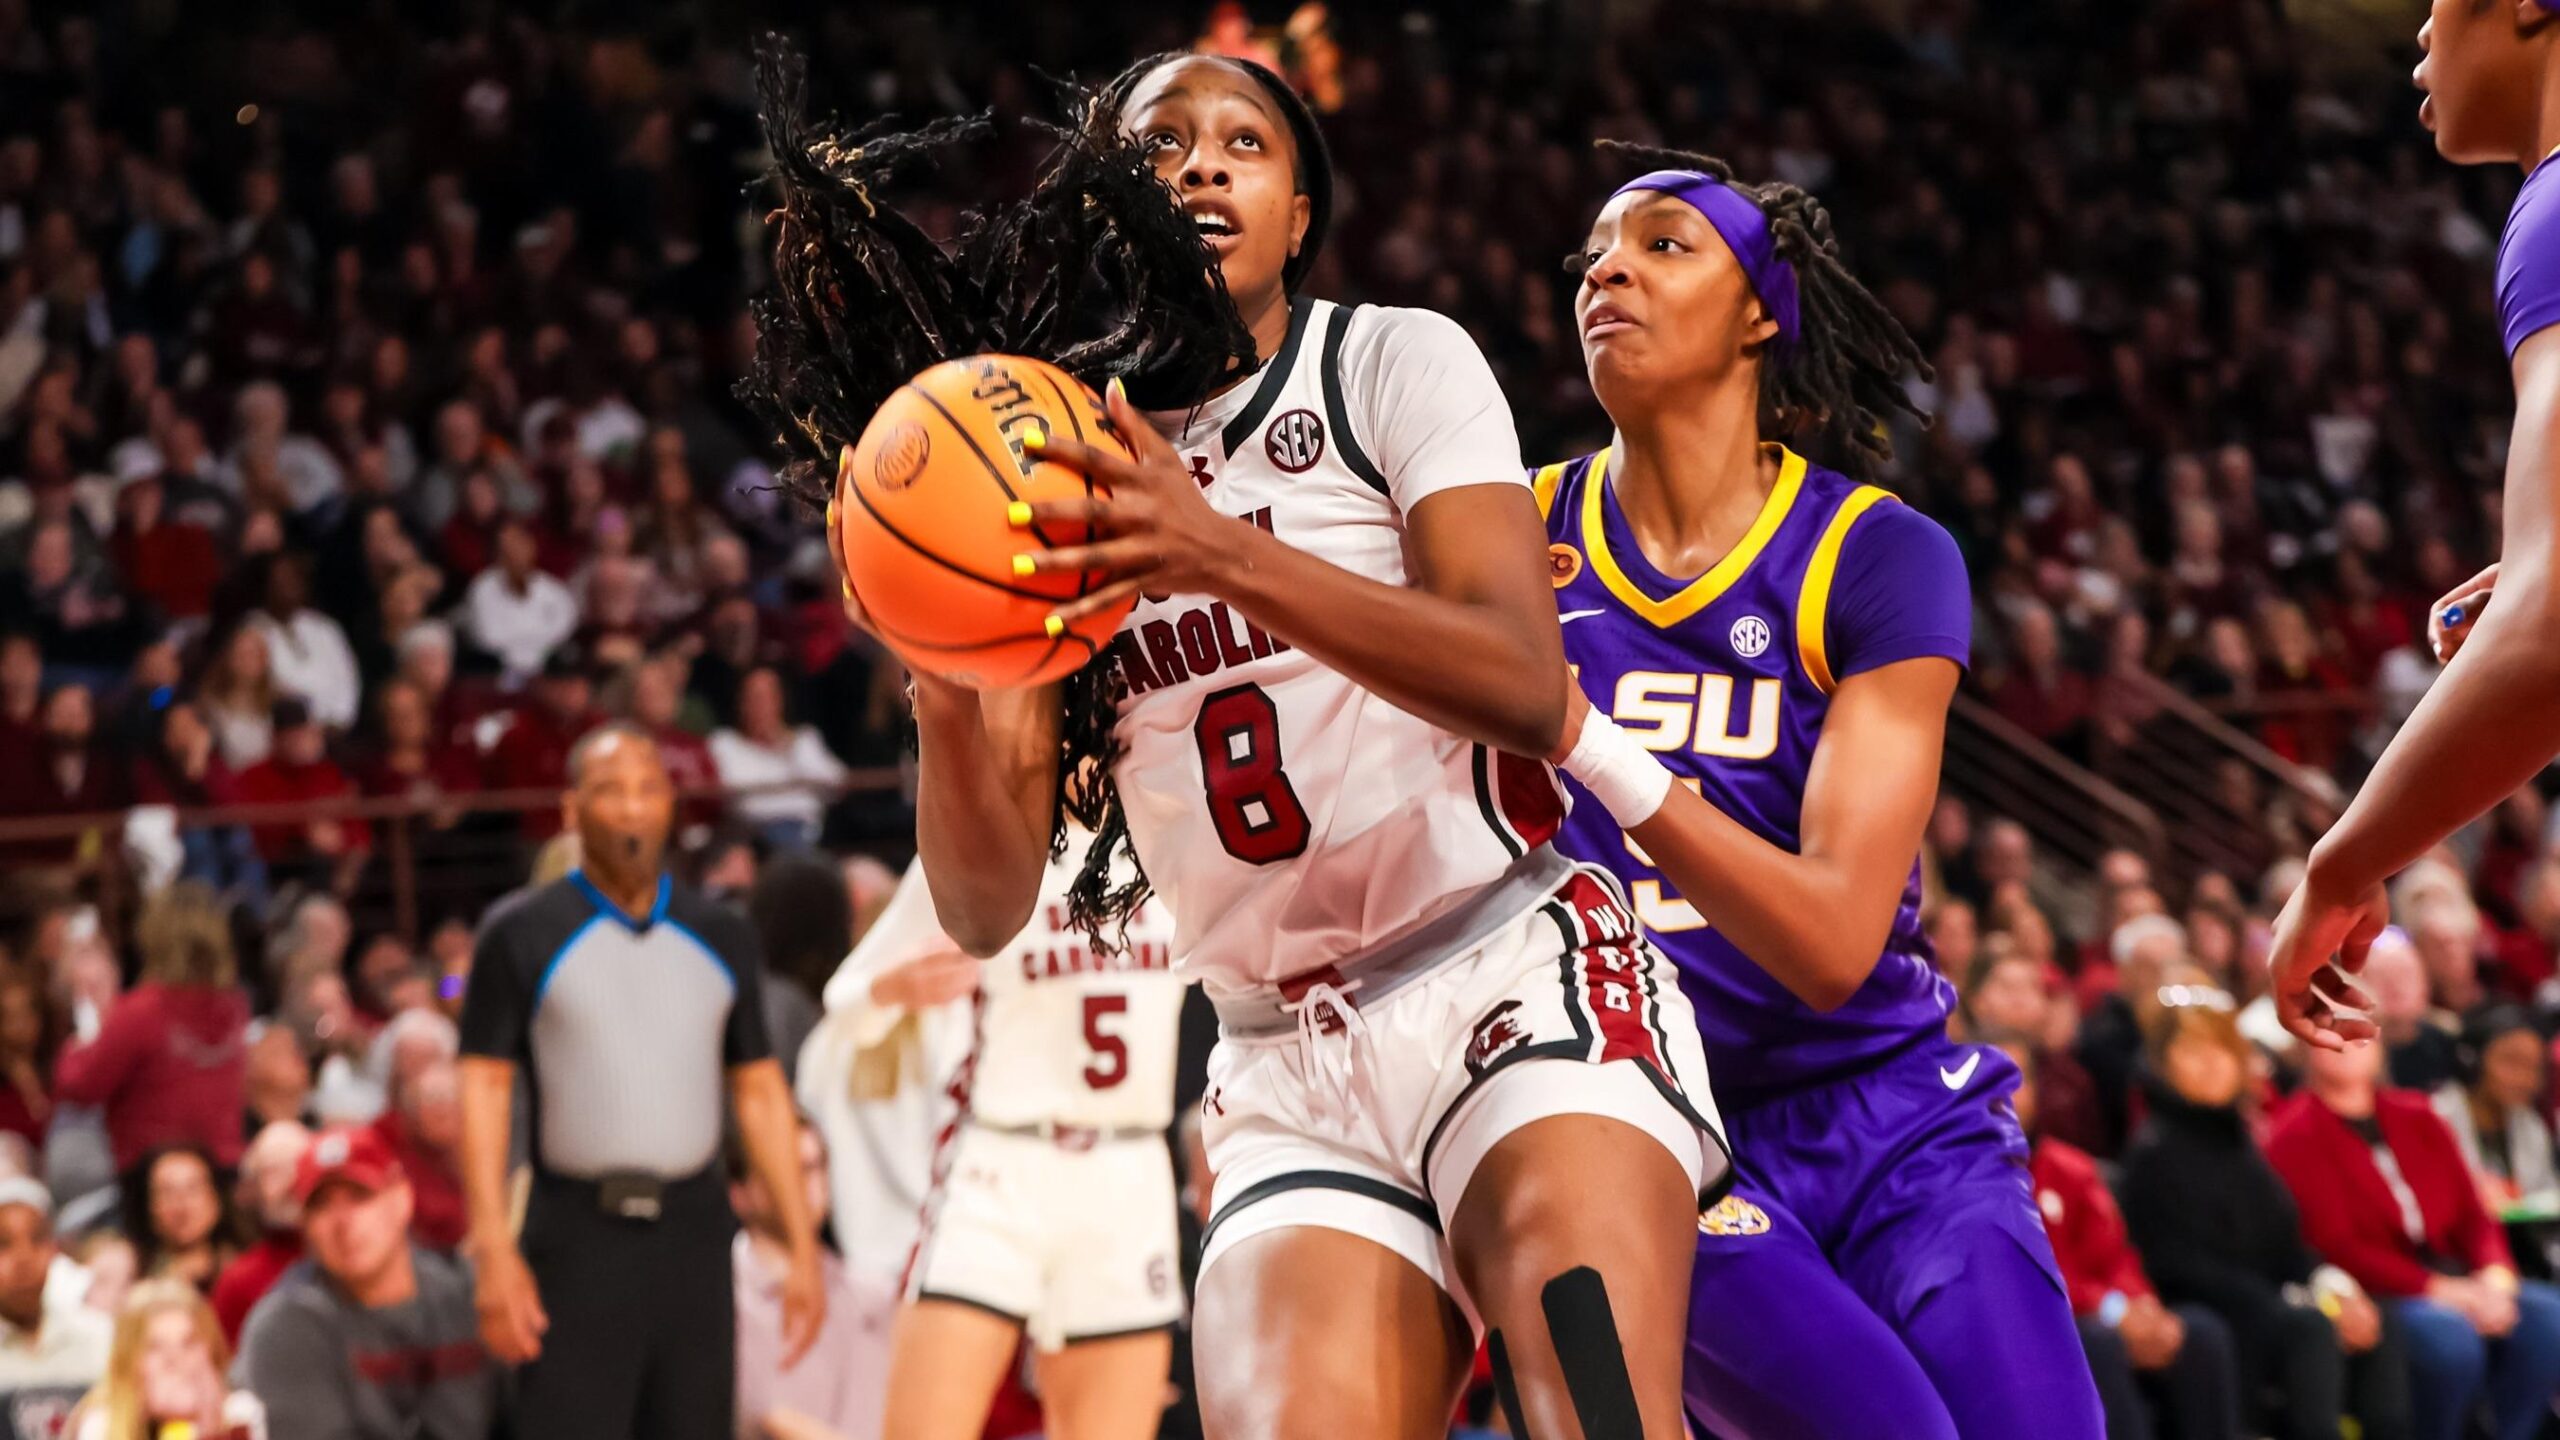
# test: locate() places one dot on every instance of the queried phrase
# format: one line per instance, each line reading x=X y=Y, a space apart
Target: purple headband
x=1745 y=228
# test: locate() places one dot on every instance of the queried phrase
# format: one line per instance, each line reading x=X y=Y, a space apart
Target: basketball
x=922 y=501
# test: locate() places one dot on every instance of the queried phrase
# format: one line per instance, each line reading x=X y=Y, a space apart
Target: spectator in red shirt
x=2529 y=953
x=2301 y=690
x=533 y=754
x=412 y=761
x=657 y=698
x=65 y=774
x=266 y=1194
x=2369 y=621
x=30 y=1034
x=2184 y=1357
x=21 y=688
x=2066 y=514
x=422 y=1129
x=426 y=652
x=328 y=850
x=170 y=1058
x=2126 y=696
x=2513 y=844
x=173 y=564
x=2385 y=1194
x=2038 y=691
x=469 y=541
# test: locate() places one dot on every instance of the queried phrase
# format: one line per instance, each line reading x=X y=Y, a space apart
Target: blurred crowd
x=2369 y=1234
x=366 y=434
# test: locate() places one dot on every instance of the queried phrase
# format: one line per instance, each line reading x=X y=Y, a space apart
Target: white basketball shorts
x=1071 y=1243
x=1371 y=1118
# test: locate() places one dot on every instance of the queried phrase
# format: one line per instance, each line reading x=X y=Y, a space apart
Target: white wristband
x=1621 y=774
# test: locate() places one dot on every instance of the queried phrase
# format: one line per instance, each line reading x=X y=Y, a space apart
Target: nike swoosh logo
x=1570 y=616
x=1957 y=1077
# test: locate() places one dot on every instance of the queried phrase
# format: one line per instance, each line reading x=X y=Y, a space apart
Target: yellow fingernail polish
x=1034 y=438
x=848 y=589
x=1119 y=391
x=1018 y=514
x=831 y=514
x=1054 y=627
x=1024 y=565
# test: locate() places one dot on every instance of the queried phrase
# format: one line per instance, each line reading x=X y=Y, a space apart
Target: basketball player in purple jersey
x=2491 y=73
x=1768 y=649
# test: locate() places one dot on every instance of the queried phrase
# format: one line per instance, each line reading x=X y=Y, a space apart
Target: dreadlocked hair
x=1841 y=376
x=1096 y=270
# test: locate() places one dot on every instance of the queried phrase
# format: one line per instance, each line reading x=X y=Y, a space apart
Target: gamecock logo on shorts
x=1734 y=1215
x=1295 y=441
x=903 y=452
x=1497 y=1032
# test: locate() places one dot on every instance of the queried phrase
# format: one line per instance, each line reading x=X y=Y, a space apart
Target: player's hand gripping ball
x=931 y=529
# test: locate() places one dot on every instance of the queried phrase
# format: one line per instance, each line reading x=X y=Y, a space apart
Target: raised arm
x=2487 y=726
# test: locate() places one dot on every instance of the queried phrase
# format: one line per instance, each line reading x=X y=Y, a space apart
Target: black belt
x=635 y=1195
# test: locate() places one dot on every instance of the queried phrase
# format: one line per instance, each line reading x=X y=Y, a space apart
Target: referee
x=635 y=1005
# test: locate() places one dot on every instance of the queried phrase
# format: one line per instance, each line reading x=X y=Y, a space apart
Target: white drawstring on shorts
x=1330 y=1057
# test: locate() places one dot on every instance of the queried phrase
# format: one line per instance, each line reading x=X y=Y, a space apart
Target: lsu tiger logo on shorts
x=1734 y=1215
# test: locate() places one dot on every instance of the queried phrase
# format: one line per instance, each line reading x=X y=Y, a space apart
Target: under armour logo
x=1200 y=475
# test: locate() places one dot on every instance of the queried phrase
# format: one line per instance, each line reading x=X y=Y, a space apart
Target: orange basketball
x=921 y=501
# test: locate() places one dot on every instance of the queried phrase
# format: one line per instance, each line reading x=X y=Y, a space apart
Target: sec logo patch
x=1734 y=1215
x=1563 y=563
x=1750 y=637
x=1295 y=441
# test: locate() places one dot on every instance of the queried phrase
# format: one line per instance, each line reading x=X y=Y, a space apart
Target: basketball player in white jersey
x=1454 y=1087
x=878 y=1077
x=1050 y=1209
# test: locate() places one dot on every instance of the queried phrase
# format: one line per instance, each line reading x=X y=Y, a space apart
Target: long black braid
x=1097 y=270
x=1843 y=373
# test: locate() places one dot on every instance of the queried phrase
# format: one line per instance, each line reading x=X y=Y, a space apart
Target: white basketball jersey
x=1287 y=817
x=1066 y=1033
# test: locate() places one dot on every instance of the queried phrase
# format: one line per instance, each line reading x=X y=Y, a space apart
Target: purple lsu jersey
x=1726 y=677
x=2529 y=259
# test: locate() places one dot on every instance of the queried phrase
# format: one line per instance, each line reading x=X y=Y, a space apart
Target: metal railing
x=2074 y=814
x=2228 y=800
x=420 y=845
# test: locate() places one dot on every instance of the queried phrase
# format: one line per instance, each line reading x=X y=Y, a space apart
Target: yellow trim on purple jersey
x=1698 y=594
x=1814 y=601
x=1544 y=484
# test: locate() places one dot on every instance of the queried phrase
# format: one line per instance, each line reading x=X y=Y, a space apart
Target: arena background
x=374 y=292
